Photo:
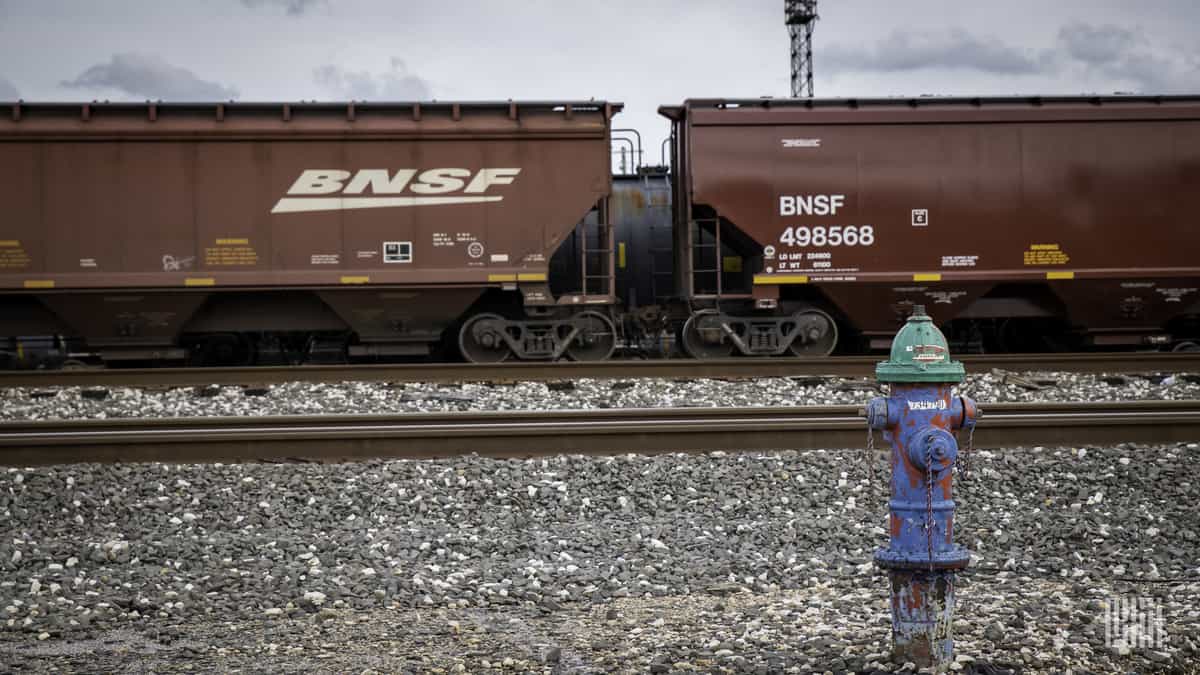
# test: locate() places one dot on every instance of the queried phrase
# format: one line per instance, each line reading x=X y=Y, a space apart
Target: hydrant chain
x=966 y=459
x=929 y=501
x=871 y=459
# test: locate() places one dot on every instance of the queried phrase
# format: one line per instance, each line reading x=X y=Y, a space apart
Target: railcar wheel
x=224 y=349
x=818 y=334
x=481 y=340
x=596 y=339
x=1187 y=346
x=703 y=337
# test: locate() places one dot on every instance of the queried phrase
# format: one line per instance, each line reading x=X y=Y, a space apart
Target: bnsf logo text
x=433 y=186
x=810 y=205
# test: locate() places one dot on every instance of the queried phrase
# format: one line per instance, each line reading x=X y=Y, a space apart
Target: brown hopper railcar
x=227 y=233
x=284 y=232
x=1011 y=220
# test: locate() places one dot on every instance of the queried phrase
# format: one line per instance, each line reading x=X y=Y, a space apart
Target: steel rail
x=530 y=433
x=838 y=366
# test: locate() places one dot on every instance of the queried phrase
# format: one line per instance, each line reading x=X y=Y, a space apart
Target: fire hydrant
x=918 y=419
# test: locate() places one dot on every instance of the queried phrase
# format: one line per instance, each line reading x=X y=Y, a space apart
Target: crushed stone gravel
x=22 y=403
x=717 y=562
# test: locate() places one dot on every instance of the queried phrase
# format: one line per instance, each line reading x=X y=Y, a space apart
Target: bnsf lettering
x=376 y=179
x=811 y=205
x=440 y=181
x=383 y=182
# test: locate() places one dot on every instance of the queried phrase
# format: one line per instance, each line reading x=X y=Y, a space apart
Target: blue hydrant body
x=919 y=419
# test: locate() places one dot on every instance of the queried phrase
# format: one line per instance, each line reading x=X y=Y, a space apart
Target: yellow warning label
x=1045 y=254
x=39 y=283
x=205 y=281
x=531 y=276
x=1060 y=275
x=231 y=252
x=934 y=276
x=12 y=256
x=356 y=280
x=621 y=254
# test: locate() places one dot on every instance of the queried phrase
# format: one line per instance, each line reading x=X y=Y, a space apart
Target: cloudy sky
x=642 y=52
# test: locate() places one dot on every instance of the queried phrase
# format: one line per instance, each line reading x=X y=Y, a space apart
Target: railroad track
x=841 y=366
x=527 y=433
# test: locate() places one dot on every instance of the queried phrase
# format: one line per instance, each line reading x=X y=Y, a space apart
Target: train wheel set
x=491 y=338
x=711 y=334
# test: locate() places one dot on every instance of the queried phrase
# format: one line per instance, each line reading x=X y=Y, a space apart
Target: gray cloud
x=395 y=84
x=913 y=50
x=1146 y=72
x=292 y=7
x=1097 y=44
x=8 y=91
x=1127 y=58
x=150 y=76
x=1111 y=57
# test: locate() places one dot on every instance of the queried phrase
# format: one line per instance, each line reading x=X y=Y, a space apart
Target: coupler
x=917 y=419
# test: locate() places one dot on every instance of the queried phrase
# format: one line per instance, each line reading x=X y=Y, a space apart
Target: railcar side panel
x=972 y=208
x=106 y=206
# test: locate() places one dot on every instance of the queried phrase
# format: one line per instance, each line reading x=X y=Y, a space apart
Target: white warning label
x=959 y=260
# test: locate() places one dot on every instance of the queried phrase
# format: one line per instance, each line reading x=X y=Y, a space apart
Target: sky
x=644 y=53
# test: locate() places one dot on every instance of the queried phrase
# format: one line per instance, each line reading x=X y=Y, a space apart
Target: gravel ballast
x=754 y=562
x=368 y=397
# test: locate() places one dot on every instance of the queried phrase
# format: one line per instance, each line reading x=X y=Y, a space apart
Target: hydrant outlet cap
x=919 y=354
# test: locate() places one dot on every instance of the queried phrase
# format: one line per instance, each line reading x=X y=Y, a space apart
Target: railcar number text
x=834 y=235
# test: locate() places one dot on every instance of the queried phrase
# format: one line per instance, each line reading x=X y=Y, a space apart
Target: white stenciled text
x=834 y=235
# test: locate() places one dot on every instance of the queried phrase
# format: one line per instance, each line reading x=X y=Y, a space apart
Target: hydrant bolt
x=935 y=443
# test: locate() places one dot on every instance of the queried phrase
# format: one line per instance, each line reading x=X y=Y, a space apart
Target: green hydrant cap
x=919 y=354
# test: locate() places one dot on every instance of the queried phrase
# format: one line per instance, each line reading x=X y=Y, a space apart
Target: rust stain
x=946 y=484
x=915 y=475
x=917 y=599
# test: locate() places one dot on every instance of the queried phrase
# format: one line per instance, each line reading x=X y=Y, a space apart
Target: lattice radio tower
x=800 y=16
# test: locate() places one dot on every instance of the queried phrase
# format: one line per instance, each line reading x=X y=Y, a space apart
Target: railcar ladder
x=657 y=275
x=660 y=253
x=697 y=246
x=597 y=280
